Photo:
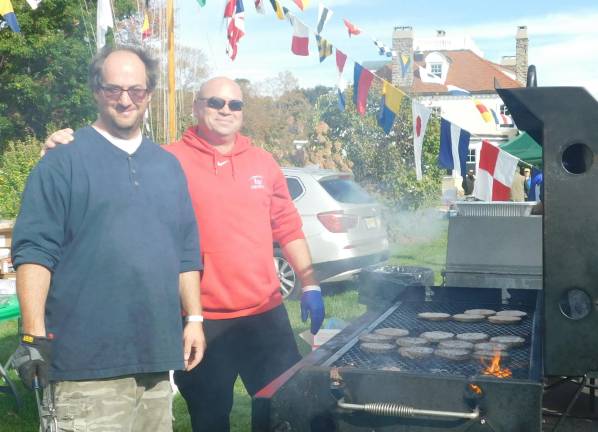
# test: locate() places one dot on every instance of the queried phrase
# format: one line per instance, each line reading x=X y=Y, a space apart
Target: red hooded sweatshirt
x=242 y=205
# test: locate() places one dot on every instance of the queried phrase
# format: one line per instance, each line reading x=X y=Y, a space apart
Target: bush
x=15 y=164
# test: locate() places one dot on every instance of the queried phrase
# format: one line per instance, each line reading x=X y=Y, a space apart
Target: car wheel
x=290 y=287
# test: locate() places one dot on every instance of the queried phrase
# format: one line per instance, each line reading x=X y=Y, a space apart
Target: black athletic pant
x=258 y=348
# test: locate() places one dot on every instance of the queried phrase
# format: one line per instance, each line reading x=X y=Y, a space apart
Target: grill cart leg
x=586 y=381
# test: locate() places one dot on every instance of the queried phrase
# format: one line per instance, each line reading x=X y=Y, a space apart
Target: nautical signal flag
x=341 y=59
x=9 y=16
x=496 y=171
x=324 y=48
x=383 y=50
x=405 y=61
x=201 y=3
x=486 y=116
x=362 y=80
x=454 y=146
x=324 y=15
x=259 y=7
x=302 y=4
x=145 y=29
x=352 y=29
x=421 y=115
x=34 y=3
x=390 y=106
x=277 y=9
x=501 y=119
x=234 y=12
x=103 y=23
x=300 y=43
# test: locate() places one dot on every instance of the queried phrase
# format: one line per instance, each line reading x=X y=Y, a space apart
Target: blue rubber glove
x=312 y=306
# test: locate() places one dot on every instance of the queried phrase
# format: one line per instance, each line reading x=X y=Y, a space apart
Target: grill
x=340 y=387
x=404 y=315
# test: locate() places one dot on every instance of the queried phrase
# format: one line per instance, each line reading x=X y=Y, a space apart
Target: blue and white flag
x=454 y=146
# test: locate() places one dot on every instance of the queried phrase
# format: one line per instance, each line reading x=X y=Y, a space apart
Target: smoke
x=415 y=227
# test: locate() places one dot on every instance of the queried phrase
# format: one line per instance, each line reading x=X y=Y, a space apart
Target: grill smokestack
x=521 y=54
x=402 y=44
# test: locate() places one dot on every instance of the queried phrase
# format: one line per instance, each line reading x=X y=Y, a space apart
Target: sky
x=563 y=35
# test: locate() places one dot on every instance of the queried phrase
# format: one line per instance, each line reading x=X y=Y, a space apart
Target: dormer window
x=436 y=69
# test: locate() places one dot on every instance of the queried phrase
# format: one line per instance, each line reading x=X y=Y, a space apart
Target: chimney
x=521 y=55
x=402 y=44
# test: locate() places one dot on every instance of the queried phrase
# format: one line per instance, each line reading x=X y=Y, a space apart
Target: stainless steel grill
x=404 y=315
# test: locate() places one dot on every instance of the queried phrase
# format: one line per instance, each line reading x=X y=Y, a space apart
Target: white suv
x=342 y=225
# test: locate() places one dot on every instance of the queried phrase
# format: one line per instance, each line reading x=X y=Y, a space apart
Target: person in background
x=468 y=183
x=517 y=193
x=243 y=206
x=106 y=249
x=526 y=171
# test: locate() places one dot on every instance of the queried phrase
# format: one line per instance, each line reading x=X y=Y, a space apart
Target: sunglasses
x=218 y=103
x=114 y=93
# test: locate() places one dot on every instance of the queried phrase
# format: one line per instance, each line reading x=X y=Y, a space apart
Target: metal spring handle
x=390 y=409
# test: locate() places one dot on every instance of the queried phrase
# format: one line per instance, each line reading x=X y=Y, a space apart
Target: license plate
x=371 y=222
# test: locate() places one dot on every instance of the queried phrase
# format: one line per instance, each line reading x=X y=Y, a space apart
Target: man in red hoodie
x=242 y=205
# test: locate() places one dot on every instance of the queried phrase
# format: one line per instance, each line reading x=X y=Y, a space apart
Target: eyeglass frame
x=218 y=103
x=114 y=97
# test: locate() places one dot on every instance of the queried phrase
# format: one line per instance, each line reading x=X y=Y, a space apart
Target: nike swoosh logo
x=222 y=163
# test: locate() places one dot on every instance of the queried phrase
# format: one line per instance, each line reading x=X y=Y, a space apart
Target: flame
x=475 y=389
x=494 y=368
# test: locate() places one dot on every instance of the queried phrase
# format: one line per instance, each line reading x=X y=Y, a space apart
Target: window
x=504 y=110
x=436 y=110
x=436 y=69
x=471 y=155
x=346 y=191
x=295 y=187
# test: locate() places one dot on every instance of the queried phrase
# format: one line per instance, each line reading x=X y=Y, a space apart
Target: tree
x=15 y=164
x=43 y=70
x=275 y=121
x=384 y=163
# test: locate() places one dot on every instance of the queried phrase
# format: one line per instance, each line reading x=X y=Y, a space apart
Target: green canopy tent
x=525 y=148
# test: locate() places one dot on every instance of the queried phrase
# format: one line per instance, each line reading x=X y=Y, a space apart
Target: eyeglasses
x=114 y=93
x=218 y=103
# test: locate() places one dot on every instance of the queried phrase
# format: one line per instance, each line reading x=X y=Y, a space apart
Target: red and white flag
x=300 y=44
x=495 y=174
x=421 y=115
x=235 y=30
x=259 y=7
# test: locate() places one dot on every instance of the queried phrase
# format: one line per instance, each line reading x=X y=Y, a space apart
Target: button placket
x=132 y=171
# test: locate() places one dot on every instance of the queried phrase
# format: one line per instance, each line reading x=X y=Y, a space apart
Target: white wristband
x=311 y=288
x=194 y=318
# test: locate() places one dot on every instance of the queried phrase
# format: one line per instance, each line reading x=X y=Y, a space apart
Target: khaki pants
x=136 y=403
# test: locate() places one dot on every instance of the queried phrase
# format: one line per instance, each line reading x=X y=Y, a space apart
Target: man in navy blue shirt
x=106 y=248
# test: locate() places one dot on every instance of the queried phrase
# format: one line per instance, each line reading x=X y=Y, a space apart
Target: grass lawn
x=414 y=248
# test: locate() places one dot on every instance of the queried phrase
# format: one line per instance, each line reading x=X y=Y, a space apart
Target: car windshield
x=346 y=191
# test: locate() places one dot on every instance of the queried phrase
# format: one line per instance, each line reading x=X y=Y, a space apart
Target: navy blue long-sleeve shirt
x=115 y=230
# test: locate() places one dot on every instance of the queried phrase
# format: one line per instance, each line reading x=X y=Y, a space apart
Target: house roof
x=467 y=70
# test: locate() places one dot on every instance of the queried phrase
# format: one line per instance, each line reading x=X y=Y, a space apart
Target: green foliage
x=43 y=70
x=384 y=163
x=15 y=164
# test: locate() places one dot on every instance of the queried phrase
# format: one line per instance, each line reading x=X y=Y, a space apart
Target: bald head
x=218 y=84
x=216 y=121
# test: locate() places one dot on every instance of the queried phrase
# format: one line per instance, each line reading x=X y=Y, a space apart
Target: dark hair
x=95 y=67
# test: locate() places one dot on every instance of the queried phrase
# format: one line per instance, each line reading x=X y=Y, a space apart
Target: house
x=450 y=65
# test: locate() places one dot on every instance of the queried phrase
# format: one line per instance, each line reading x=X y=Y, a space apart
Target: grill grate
x=405 y=316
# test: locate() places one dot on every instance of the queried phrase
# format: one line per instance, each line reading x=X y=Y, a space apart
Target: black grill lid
x=564 y=121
